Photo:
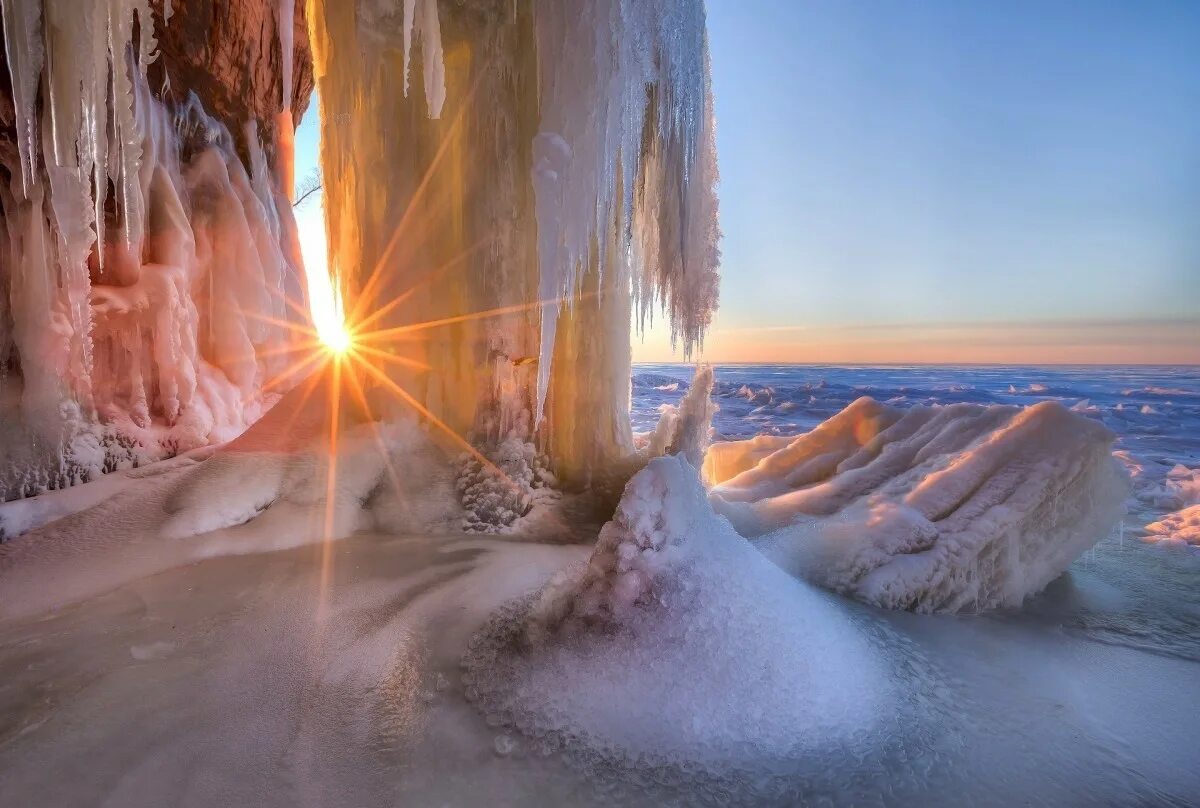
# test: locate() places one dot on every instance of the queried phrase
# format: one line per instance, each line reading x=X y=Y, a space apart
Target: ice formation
x=683 y=430
x=142 y=320
x=498 y=493
x=1179 y=527
x=554 y=158
x=947 y=508
x=678 y=644
x=1178 y=491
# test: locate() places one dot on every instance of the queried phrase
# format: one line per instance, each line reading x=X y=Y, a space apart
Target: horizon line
x=930 y=364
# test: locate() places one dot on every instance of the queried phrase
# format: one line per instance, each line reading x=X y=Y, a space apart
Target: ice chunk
x=961 y=507
x=1179 y=527
x=684 y=429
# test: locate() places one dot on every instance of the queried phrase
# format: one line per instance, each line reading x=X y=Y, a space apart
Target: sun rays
x=359 y=361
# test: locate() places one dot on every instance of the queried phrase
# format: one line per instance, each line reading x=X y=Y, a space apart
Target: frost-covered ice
x=932 y=508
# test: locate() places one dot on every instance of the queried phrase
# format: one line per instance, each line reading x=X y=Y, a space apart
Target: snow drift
x=678 y=644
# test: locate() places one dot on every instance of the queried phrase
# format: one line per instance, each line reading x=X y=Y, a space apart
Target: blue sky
x=954 y=180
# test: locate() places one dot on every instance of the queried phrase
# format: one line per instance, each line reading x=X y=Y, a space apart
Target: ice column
x=557 y=161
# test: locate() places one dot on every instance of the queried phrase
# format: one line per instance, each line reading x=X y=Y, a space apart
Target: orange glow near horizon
x=1066 y=342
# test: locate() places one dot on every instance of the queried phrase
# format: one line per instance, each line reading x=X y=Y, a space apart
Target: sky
x=951 y=182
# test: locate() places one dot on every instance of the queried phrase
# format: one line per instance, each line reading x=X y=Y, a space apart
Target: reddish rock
x=227 y=52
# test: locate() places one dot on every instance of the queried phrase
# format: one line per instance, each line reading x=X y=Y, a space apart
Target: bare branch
x=307 y=187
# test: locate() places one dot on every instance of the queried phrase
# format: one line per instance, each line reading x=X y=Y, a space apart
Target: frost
x=498 y=493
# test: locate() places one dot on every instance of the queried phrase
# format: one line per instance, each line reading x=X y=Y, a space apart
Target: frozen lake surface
x=335 y=676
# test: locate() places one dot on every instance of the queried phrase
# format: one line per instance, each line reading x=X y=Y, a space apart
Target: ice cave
x=402 y=523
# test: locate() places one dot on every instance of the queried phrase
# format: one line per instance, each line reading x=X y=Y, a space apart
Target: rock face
x=225 y=51
x=228 y=53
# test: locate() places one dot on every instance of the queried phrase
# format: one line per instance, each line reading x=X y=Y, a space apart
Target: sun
x=337 y=339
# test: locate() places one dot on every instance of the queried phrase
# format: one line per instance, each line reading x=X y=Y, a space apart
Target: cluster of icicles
x=147 y=308
x=625 y=158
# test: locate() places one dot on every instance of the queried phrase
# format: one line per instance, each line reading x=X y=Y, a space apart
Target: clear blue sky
x=888 y=162
x=956 y=180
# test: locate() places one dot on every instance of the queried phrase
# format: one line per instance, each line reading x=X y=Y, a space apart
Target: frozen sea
x=340 y=675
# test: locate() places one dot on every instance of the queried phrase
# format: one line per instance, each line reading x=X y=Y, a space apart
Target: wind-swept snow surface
x=960 y=507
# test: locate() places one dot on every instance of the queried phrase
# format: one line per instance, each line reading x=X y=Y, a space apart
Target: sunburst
x=349 y=341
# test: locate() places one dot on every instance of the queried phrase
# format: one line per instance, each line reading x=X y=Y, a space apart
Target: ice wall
x=145 y=268
x=555 y=161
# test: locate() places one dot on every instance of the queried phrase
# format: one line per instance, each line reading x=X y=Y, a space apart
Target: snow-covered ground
x=394 y=668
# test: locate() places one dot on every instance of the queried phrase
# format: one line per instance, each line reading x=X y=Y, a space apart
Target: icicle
x=578 y=169
x=597 y=60
x=23 y=48
x=432 y=58
x=130 y=345
x=421 y=16
x=285 y=127
x=287 y=18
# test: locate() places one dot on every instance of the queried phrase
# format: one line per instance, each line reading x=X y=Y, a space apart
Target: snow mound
x=677 y=645
x=288 y=481
x=932 y=509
